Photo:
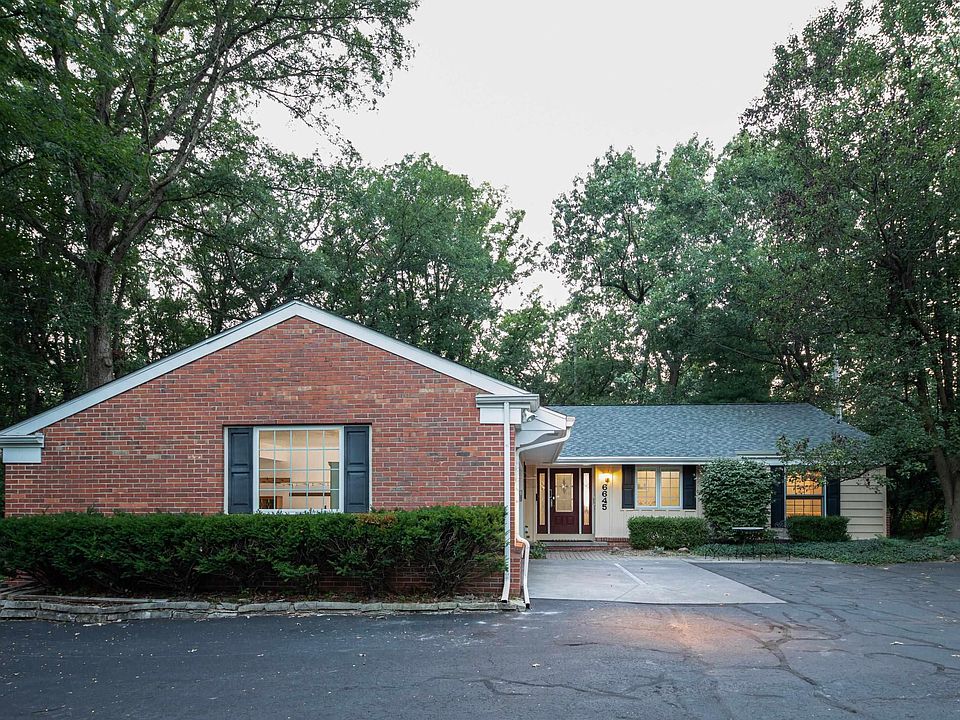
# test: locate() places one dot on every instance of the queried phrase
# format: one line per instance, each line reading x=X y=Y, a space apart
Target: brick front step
x=580 y=545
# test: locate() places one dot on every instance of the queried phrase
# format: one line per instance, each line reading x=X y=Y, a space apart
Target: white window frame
x=256 y=469
x=658 y=485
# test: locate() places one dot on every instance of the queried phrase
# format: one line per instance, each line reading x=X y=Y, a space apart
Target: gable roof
x=693 y=432
x=245 y=330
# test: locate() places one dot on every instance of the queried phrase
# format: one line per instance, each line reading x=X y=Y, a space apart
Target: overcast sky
x=526 y=94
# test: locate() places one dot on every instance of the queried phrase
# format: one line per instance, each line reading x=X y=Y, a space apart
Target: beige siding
x=864 y=501
x=612 y=522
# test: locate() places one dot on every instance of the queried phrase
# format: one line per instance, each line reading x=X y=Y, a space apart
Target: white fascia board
x=21 y=449
x=521 y=407
x=647 y=460
x=555 y=419
x=248 y=329
x=611 y=460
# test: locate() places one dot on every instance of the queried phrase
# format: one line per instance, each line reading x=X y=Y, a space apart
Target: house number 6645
x=603 y=496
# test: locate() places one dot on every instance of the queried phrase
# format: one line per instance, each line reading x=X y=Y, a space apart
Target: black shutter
x=778 y=504
x=832 y=490
x=689 y=487
x=356 y=464
x=240 y=470
x=629 y=488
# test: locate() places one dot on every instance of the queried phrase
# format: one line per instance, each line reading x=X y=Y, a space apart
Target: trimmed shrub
x=182 y=554
x=807 y=528
x=667 y=532
x=453 y=545
x=735 y=493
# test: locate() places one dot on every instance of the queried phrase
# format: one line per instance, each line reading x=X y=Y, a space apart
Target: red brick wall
x=159 y=446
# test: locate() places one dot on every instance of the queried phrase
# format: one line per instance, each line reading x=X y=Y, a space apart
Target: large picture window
x=298 y=469
x=804 y=495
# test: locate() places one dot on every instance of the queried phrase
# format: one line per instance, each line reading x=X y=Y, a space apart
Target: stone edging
x=102 y=610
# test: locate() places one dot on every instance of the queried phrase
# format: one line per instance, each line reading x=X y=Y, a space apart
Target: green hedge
x=183 y=554
x=805 y=528
x=667 y=532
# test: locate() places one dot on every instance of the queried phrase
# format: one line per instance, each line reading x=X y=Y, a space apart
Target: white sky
x=526 y=94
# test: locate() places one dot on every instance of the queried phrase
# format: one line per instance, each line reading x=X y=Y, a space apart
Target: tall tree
x=657 y=236
x=862 y=107
x=106 y=104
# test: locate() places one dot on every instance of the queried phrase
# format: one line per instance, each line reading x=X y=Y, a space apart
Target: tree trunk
x=673 y=377
x=99 y=358
x=948 y=471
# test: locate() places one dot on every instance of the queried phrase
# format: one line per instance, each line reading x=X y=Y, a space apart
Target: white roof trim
x=245 y=330
x=14 y=441
x=639 y=460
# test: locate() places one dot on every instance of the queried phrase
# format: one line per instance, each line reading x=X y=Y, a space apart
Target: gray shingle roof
x=694 y=431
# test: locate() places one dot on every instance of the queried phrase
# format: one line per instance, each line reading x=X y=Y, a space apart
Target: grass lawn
x=881 y=551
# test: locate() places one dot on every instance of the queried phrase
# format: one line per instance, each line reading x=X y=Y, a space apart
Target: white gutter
x=505 y=595
x=519 y=531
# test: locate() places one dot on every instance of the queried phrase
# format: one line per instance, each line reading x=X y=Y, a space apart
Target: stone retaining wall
x=100 y=610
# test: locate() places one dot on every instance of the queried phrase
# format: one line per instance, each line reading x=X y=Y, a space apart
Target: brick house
x=299 y=410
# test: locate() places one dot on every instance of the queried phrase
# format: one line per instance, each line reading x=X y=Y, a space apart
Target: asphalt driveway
x=848 y=642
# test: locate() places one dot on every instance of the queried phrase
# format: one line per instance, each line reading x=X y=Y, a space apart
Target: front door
x=564 y=501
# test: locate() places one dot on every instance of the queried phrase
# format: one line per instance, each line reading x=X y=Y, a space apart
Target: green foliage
x=165 y=553
x=735 y=493
x=538 y=551
x=818 y=529
x=881 y=551
x=667 y=532
x=453 y=545
x=105 y=108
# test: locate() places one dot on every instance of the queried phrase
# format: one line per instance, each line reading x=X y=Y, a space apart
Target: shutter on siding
x=356 y=463
x=689 y=487
x=240 y=470
x=778 y=504
x=832 y=490
x=629 y=488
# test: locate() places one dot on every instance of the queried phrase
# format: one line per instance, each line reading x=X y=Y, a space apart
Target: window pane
x=542 y=498
x=670 y=488
x=298 y=438
x=807 y=484
x=585 y=495
x=335 y=485
x=563 y=484
x=646 y=488
x=804 y=506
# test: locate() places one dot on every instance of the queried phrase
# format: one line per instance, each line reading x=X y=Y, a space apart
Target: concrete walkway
x=659 y=581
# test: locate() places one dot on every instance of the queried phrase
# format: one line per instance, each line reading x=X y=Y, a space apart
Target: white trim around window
x=658 y=470
x=334 y=475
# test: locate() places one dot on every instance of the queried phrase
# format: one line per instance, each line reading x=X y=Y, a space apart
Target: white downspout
x=519 y=531
x=505 y=595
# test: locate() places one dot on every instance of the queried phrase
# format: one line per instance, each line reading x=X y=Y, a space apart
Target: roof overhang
x=662 y=460
x=25 y=449
x=521 y=406
x=540 y=439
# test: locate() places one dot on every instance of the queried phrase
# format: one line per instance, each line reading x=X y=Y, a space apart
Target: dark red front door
x=564 y=500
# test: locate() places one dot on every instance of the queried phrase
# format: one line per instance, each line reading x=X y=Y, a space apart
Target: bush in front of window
x=441 y=549
x=735 y=493
x=669 y=533
x=811 y=528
